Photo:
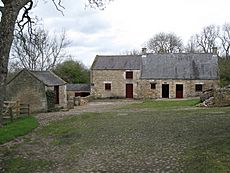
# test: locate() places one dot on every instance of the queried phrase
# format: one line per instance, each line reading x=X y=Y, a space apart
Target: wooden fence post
x=28 y=109
x=18 y=108
x=11 y=114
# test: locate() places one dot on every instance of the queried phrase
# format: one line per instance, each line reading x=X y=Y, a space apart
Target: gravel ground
x=95 y=106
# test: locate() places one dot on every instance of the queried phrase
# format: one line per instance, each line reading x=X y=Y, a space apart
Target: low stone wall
x=78 y=101
x=206 y=95
x=222 y=97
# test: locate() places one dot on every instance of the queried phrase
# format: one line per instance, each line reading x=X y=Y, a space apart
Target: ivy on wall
x=50 y=96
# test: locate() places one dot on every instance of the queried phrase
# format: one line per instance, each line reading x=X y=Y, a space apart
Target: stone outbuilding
x=75 y=90
x=29 y=87
x=174 y=75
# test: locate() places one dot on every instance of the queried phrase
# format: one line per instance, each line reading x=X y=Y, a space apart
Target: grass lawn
x=155 y=136
x=17 y=128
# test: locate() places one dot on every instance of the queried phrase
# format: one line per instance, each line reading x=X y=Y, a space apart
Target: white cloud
x=128 y=24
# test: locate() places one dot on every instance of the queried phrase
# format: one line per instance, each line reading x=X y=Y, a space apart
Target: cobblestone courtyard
x=103 y=137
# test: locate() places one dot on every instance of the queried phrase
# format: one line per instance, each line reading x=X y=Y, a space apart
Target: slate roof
x=188 y=66
x=48 y=78
x=78 y=87
x=119 y=62
x=180 y=66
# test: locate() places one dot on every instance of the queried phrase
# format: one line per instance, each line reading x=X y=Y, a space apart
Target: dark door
x=179 y=91
x=82 y=94
x=129 y=90
x=165 y=90
x=56 y=94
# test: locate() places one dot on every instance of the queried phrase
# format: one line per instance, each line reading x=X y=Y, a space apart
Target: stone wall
x=142 y=88
x=27 y=89
x=118 y=82
x=70 y=94
x=145 y=91
x=62 y=96
x=222 y=97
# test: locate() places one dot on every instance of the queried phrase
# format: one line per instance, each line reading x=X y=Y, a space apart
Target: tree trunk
x=7 y=24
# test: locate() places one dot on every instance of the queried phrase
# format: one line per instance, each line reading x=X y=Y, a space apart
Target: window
x=108 y=86
x=129 y=75
x=199 y=87
x=153 y=85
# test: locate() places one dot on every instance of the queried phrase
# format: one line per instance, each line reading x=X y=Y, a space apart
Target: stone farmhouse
x=176 y=75
x=29 y=87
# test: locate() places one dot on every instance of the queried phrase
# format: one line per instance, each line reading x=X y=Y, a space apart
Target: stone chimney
x=144 y=51
x=214 y=51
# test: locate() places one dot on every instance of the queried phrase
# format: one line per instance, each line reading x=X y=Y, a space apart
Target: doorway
x=165 y=90
x=179 y=91
x=129 y=90
x=56 y=94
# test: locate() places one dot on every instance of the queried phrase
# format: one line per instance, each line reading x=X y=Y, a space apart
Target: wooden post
x=11 y=114
x=28 y=109
x=17 y=108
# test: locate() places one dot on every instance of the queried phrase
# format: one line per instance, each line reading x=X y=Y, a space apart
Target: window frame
x=108 y=86
x=153 y=86
x=129 y=74
x=199 y=87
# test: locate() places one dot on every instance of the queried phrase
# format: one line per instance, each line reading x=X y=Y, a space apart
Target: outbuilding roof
x=48 y=78
x=78 y=87
x=118 y=62
x=180 y=66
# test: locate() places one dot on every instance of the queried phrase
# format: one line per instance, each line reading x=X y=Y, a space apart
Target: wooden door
x=179 y=91
x=56 y=94
x=165 y=90
x=129 y=90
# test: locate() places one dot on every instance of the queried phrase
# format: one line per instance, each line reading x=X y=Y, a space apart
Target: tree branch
x=26 y=19
x=58 y=5
x=2 y=9
x=98 y=3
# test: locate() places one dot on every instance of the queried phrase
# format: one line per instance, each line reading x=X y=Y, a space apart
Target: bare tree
x=39 y=50
x=10 y=11
x=224 y=36
x=132 y=52
x=191 y=46
x=165 y=43
x=207 y=39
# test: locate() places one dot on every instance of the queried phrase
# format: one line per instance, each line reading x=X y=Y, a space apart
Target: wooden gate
x=129 y=90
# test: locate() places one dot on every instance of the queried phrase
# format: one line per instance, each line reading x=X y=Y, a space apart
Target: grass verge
x=161 y=104
x=19 y=165
x=17 y=128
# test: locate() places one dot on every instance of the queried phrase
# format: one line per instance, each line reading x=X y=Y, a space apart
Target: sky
x=125 y=25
